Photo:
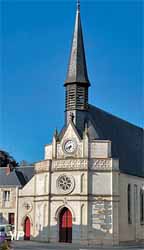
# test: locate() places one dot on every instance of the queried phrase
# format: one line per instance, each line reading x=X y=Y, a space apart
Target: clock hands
x=68 y=147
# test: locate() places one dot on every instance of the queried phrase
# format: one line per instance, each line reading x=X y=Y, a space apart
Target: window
x=129 y=203
x=46 y=184
x=65 y=184
x=6 y=196
x=1 y=218
x=11 y=218
x=141 y=206
x=70 y=97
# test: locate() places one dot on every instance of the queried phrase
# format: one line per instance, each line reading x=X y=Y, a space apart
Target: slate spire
x=77 y=70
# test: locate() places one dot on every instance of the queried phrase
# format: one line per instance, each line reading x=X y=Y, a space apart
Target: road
x=29 y=245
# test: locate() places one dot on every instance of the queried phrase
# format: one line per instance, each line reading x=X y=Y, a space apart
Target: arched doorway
x=27 y=229
x=65 y=225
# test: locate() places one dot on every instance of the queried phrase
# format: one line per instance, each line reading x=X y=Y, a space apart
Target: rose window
x=65 y=183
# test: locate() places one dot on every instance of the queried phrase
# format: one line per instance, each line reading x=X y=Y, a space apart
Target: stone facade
x=8 y=204
x=96 y=197
x=133 y=231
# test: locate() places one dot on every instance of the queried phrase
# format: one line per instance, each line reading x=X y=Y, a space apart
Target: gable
x=71 y=133
x=28 y=189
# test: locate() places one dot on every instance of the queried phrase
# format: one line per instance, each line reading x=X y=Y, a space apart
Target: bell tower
x=77 y=82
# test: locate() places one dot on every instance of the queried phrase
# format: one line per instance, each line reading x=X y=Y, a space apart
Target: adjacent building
x=10 y=183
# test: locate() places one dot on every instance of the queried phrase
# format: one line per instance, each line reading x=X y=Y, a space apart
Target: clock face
x=69 y=146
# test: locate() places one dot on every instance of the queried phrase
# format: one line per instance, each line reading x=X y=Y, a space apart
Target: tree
x=7 y=160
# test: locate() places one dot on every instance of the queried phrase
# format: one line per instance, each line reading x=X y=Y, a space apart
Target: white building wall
x=97 y=201
x=100 y=149
x=9 y=206
x=100 y=183
x=133 y=231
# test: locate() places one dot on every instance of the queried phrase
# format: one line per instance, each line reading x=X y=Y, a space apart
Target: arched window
x=141 y=206
x=82 y=182
x=82 y=214
x=129 y=203
x=46 y=184
x=44 y=215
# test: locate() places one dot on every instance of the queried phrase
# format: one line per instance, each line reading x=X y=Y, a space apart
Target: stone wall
x=133 y=231
x=100 y=220
x=8 y=206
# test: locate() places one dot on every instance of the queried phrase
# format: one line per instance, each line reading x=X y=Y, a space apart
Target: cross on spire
x=78 y=5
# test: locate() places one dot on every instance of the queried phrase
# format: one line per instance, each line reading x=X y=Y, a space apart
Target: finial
x=71 y=116
x=78 y=5
x=85 y=129
x=56 y=133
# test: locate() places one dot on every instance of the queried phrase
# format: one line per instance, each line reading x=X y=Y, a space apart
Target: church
x=89 y=188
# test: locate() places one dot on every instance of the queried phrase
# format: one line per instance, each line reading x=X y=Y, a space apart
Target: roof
x=8 y=180
x=18 y=177
x=127 y=140
x=27 y=171
x=77 y=70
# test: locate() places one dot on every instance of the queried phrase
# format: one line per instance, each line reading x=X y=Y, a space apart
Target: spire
x=77 y=70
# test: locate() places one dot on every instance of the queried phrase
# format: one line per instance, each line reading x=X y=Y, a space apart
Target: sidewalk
x=30 y=245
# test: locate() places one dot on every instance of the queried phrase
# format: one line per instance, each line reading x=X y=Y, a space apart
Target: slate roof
x=18 y=177
x=127 y=140
x=77 y=70
x=27 y=172
x=8 y=180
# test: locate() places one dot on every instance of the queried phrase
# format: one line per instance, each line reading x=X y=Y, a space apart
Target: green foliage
x=6 y=159
x=4 y=246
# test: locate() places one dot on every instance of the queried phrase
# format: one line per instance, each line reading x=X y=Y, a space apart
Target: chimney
x=7 y=169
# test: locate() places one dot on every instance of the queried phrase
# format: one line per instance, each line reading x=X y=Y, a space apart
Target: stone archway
x=65 y=225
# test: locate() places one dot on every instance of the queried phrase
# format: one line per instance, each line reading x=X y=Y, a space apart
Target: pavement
x=30 y=245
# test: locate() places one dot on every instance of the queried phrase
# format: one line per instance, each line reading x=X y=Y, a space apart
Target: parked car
x=2 y=234
x=5 y=231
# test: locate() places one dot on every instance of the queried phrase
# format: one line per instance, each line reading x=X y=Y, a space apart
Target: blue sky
x=35 y=45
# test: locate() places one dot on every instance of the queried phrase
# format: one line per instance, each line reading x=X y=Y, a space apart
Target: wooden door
x=65 y=226
x=27 y=229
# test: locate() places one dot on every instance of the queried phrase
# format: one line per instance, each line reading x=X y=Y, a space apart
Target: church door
x=27 y=229
x=65 y=226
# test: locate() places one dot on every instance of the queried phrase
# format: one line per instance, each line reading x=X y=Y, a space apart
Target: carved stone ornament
x=43 y=166
x=28 y=206
x=101 y=164
x=65 y=184
x=70 y=164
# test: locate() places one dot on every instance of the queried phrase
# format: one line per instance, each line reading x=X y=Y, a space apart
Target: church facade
x=90 y=186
